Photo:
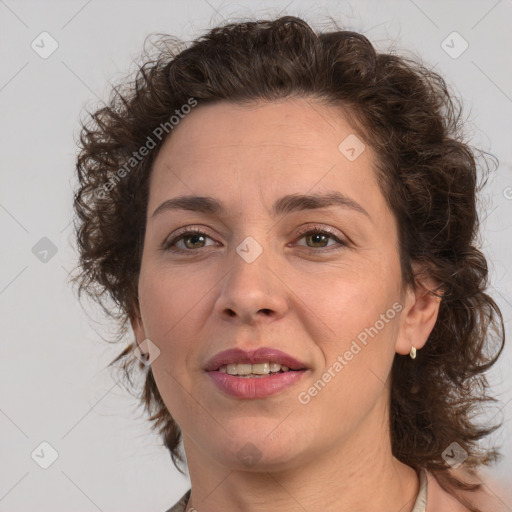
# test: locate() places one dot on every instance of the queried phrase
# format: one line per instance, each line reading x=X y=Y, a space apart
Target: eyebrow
x=284 y=205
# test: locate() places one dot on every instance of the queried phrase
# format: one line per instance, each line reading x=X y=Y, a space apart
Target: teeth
x=253 y=369
x=238 y=369
x=260 y=368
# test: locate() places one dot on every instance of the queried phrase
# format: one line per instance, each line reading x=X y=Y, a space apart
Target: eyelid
x=316 y=227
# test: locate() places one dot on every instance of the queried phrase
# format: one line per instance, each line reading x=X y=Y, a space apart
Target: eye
x=319 y=237
x=194 y=238
x=191 y=239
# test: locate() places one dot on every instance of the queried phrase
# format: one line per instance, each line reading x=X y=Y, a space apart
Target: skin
x=298 y=296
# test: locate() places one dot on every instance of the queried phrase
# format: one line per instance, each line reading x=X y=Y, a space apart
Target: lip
x=261 y=355
x=254 y=387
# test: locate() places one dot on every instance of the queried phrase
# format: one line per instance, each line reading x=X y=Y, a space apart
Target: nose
x=252 y=292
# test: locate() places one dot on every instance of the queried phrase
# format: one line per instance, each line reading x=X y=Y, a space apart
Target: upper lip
x=261 y=355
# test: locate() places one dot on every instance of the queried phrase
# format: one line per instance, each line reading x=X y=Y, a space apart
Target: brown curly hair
x=426 y=171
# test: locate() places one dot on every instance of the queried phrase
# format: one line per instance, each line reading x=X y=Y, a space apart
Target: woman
x=287 y=222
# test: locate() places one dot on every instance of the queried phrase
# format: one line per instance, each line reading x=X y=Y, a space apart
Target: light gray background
x=54 y=386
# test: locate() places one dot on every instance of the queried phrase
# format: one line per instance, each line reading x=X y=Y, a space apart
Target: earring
x=140 y=354
x=412 y=353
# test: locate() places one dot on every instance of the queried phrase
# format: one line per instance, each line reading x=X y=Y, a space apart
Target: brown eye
x=318 y=238
x=195 y=239
x=190 y=241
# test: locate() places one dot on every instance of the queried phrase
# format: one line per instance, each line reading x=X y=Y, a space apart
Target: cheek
x=353 y=303
x=166 y=313
x=354 y=379
x=363 y=322
x=167 y=300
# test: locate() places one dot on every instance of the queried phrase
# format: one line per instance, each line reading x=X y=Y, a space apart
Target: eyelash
x=167 y=246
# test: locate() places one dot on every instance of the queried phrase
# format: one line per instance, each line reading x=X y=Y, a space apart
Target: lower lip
x=256 y=387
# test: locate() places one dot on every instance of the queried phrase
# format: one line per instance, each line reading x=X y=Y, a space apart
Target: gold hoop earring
x=412 y=353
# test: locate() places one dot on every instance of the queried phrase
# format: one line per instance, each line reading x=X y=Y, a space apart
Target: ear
x=138 y=326
x=419 y=314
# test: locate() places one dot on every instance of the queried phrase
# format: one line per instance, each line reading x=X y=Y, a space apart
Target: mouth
x=255 y=374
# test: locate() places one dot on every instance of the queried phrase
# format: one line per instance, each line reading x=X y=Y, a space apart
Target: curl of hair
x=426 y=171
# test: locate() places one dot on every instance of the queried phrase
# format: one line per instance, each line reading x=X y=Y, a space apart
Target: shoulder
x=485 y=499
x=181 y=504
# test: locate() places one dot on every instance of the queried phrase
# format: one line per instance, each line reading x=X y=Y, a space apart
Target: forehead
x=295 y=124
x=297 y=145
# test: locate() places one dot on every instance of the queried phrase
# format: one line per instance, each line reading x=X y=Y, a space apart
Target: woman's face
x=332 y=301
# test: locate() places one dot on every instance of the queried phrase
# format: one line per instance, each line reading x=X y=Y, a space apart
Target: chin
x=258 y=452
